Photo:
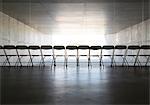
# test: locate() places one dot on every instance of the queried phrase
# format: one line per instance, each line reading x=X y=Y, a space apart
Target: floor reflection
x=75 y=85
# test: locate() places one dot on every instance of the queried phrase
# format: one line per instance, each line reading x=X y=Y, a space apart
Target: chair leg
x=147 y=60
x=89 y=61
x=54 y=61
x=8 y=61
x=66 y=61
x=101 y=61
x=77 y=61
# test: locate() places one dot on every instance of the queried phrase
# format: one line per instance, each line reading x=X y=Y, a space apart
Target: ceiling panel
x=45 y=15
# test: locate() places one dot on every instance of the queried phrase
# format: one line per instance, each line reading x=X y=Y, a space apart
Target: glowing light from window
x=78 y=36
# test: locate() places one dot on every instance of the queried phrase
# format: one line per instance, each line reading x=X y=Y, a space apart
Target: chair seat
x=107 y=55
x=35 y=55
x=83 y=55
x=47 y=55
x=71 y=55
x=59 y=55
x=144 y=55
x=131 y=55
x=118 y=55
x=94 y=55
x=12 y=55
x=23 y=55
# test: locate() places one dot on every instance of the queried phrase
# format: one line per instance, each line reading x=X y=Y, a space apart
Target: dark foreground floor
x=75 y=86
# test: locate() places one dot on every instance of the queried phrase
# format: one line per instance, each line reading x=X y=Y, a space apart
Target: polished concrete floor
x=75 y=86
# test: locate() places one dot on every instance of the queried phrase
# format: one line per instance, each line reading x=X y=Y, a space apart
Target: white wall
x=15 y=32
x=137 y=34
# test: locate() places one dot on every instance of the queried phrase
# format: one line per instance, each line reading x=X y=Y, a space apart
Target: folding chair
x=2 y=56
x=145 y=54
x=11 y=55
x=59 y=51
x=131 y=52
x=107 y=51
x=70 y=52
x=47 y=51
x=95 y=51
x=119 y=53
x=23 y=53
x=83 y=50
x=34 y=51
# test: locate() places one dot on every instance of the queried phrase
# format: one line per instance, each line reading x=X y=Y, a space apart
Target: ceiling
x=50 y=15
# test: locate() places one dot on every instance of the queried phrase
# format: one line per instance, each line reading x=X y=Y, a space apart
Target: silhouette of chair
x=47 y=51
x=34 y=51
x=83 y=50
x=95 y=51
x=11 y=54
x=107 y=54
x=2 y=56
x=23 y=52
x=131 y=52
x=144 y=53
x=57 y=49
x=71 y=54
x=119 y=52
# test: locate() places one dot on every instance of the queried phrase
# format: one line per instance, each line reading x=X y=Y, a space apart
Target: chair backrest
x=133 y=47
x=71 y=47
x=21 y=47
x=34 y=47
x=46 y=47
x=146 y=47
x=108 y=47
x=59 y=47
x=83 y=47
x=95 y=47
x=9 y=47
x=120 y=47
